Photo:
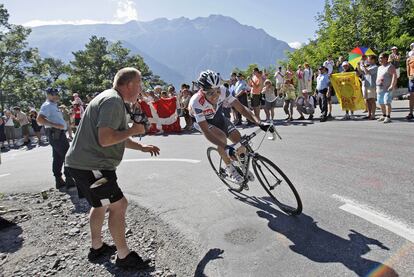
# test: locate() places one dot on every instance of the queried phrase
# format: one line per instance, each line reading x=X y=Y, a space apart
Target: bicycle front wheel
x=277 y=185
x=219 y=168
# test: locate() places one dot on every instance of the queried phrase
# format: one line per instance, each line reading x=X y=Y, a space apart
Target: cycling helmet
x=208 y=79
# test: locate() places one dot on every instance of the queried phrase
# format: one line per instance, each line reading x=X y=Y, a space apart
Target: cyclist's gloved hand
x=231 y=152
x=266 y=127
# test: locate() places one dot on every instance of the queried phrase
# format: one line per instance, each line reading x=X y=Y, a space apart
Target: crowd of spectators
x=301 y=90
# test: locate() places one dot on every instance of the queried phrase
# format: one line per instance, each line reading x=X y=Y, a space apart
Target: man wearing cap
x=51 y=117
x=394 y=59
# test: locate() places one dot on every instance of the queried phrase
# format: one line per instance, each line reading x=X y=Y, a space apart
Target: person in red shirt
x=77 y=113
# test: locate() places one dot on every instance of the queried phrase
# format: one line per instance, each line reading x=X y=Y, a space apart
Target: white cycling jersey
x=202 y=110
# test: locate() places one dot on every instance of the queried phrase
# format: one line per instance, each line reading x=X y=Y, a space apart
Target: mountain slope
x=176 y=49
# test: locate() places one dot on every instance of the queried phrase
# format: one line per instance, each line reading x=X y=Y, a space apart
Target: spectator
x=305 y=104
x=55 y=126
x=347 y=68
x=410 y=75
x=256 y=84
x=329 y=65
x=164 y=94
x=394 y=59
x=411 y=53
x=67 y=118
x=184 y=101
x=322 y=92
x=96 y=152
x=290 y=96
x=24 y=124
x=226 y=108
x=9 y=119
x=171 y=91
x=77 y=99
x=89 y=97
x=279 y=77
x=386 y=83
x=2 y=134
x=36 y=127
x=307 y=76
x=240 y=92
x=270 y=98
x=339 y=64
x=77 y=113
x=301 y=80
x=369 y=76
x=289 y=75
x=157 y=91
x=232 y=86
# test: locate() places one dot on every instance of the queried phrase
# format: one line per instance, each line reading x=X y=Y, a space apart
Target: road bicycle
x=269 y=175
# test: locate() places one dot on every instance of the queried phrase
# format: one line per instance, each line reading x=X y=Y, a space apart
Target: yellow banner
x=348 y=91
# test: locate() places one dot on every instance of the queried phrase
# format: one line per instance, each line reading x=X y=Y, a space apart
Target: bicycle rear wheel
x=219 y=168
x=277 y=185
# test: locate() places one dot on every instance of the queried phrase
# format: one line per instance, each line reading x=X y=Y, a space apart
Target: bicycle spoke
x=283 y=194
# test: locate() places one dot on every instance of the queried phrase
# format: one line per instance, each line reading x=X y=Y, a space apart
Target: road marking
x=385 y=221
x=4 y=175
x=162 y=160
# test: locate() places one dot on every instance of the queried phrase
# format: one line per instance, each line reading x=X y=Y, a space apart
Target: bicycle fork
x=271 y=186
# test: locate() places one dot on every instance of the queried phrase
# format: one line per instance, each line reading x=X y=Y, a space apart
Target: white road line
x=385 y=221
x=4 y=175
x=162 y=160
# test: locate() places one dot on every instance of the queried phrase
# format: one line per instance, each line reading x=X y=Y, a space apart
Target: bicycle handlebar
x=246 y=138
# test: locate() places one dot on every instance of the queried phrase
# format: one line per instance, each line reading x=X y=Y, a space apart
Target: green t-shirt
x=105 y=110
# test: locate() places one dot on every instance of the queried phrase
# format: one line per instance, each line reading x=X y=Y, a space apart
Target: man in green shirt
x=96 y=151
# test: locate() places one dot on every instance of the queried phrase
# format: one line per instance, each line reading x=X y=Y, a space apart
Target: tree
x=94 y=68
x=14 y=55
x=345 y=24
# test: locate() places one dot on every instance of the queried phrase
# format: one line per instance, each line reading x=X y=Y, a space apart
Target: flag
x=348 y=91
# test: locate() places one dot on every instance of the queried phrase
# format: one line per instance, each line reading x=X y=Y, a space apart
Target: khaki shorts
x=369 y=93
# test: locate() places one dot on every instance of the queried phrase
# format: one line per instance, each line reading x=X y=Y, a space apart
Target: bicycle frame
x=250 y=153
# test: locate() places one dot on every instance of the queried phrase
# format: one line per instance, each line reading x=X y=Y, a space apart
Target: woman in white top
x=307 y=77
x=270 y=97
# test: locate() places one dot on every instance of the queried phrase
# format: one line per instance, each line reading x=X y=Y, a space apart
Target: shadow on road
x=317 y=244
x=10 y=239
x=212 y=254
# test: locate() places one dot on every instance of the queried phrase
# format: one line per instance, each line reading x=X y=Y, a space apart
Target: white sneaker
x=381 y=119
x=387 y=120
x=233 y=174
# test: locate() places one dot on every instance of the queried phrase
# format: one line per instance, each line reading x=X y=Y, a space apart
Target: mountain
x=176 y=49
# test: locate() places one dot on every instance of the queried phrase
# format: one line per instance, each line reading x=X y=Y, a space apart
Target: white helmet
x=208 y=79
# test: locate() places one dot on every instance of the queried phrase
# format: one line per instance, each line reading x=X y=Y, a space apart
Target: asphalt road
x=355 y=178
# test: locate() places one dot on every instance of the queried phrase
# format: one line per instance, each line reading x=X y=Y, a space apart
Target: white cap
x=412 y=45
x=394 y=48
x=345 y=63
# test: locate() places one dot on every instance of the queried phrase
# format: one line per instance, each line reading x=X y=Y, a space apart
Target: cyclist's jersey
x=203 y=110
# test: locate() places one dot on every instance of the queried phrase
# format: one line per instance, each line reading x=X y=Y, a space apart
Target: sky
x=291 y=21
